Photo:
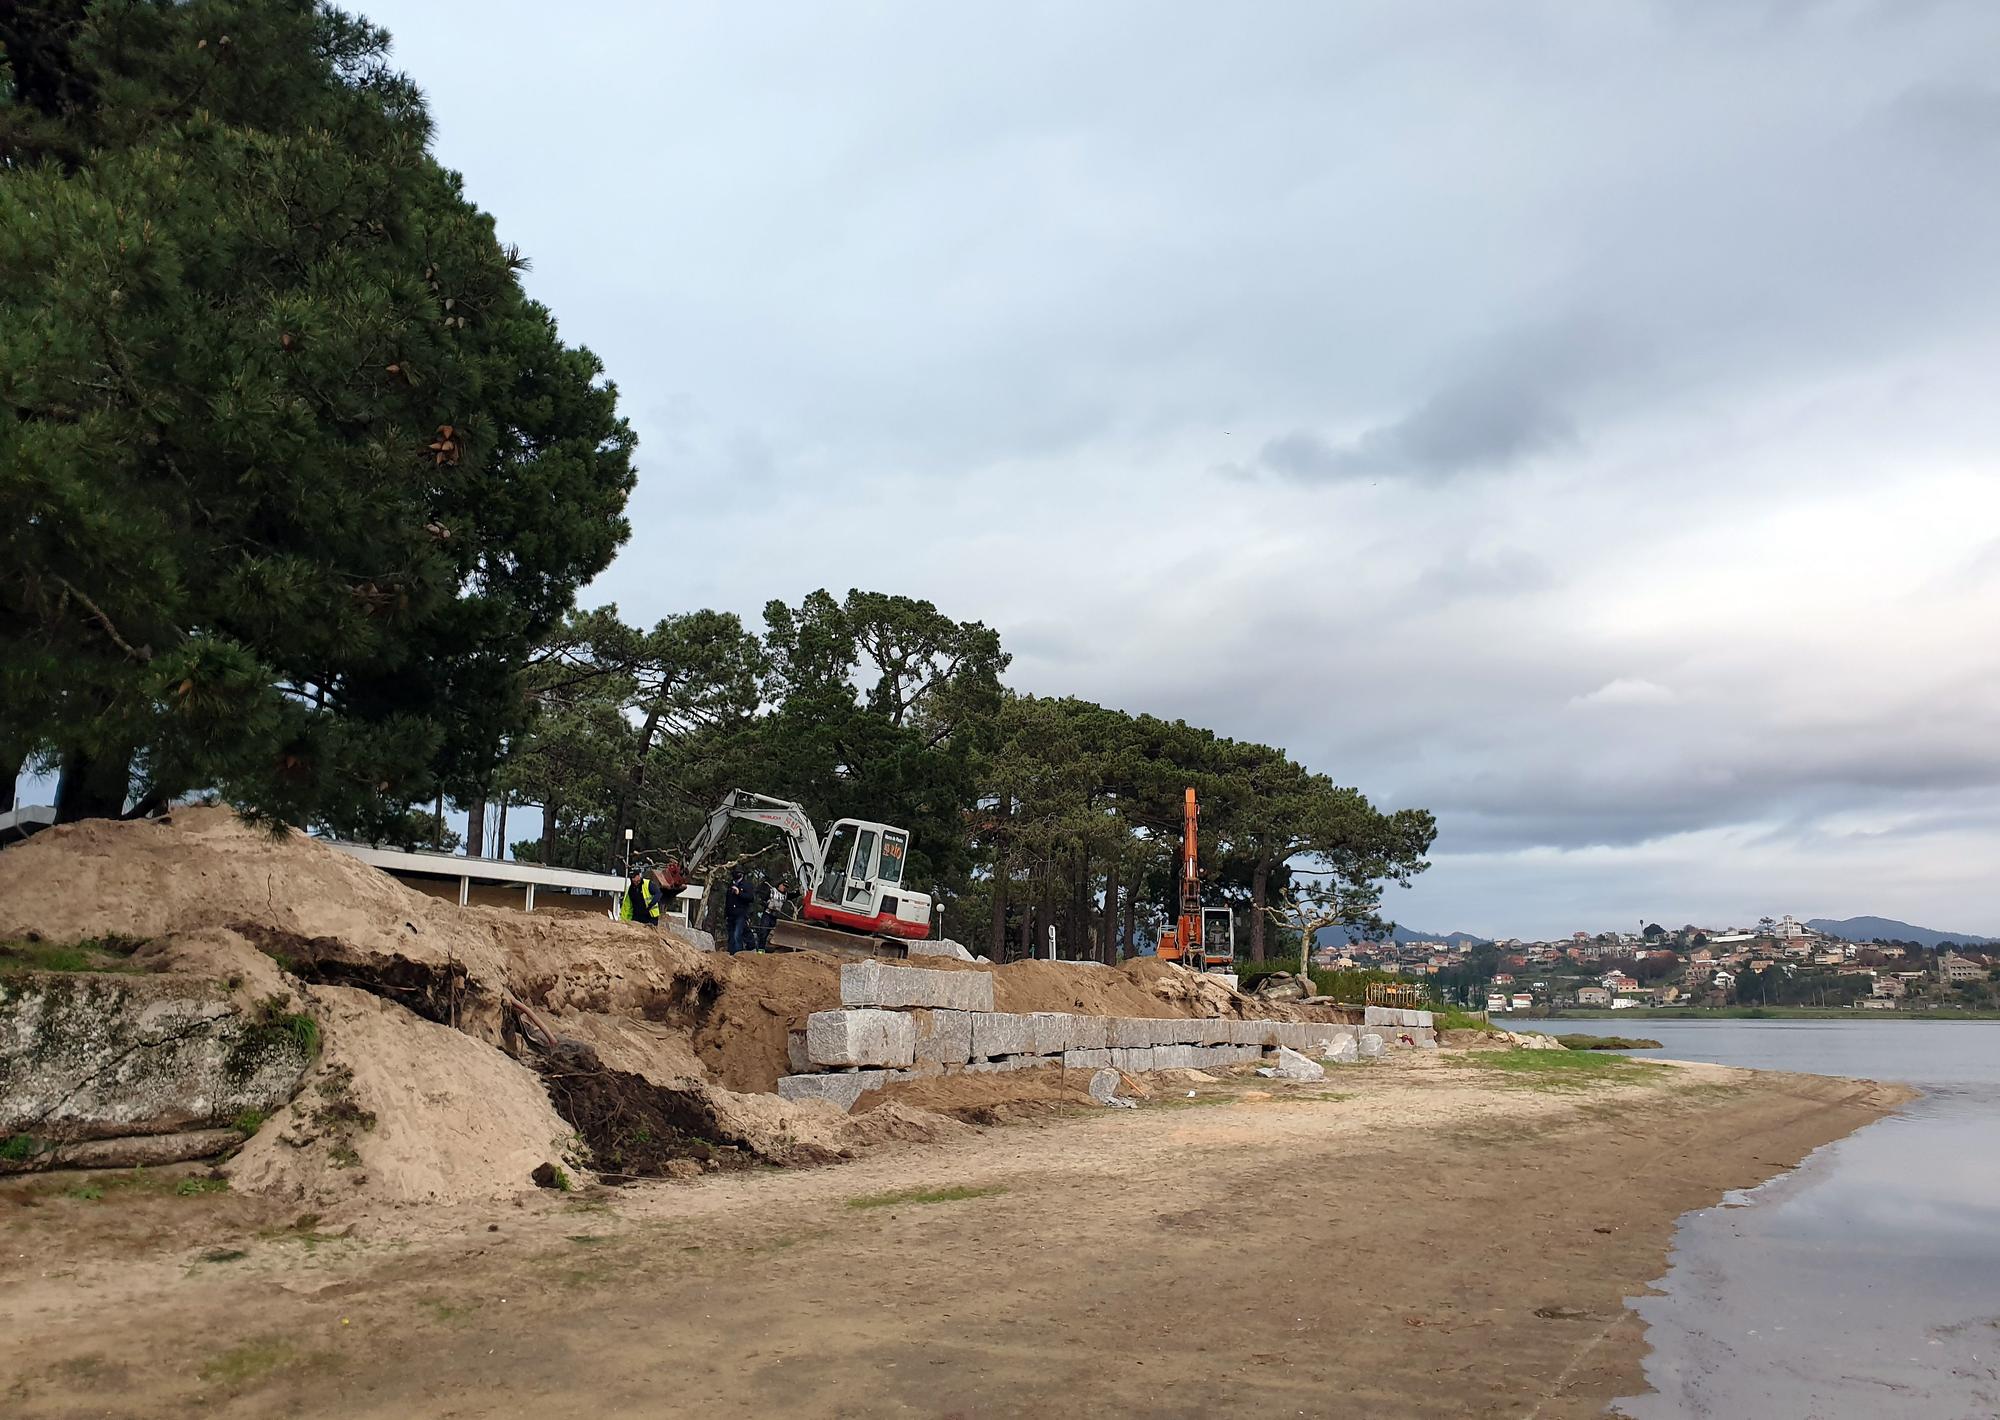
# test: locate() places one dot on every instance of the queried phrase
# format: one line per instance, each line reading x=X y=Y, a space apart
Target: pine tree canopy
x=293 y=476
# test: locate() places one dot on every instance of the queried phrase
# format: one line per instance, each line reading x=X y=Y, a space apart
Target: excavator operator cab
x=1218 y=938
x=861 y=882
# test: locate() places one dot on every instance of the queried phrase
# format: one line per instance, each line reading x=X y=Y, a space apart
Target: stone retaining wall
x=906 y=1023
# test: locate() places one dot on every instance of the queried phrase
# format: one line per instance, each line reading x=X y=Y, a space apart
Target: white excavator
x=851 y=890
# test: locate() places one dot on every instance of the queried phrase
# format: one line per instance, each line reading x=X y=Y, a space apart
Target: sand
x=415 y=999
x=403 y=1111
x=1416 y=1239
x=443 y=1062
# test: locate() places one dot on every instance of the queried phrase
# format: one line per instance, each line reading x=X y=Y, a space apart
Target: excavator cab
x=861 y=882
x=1218 y=939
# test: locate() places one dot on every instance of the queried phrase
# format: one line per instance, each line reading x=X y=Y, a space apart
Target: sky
x=1576 y=420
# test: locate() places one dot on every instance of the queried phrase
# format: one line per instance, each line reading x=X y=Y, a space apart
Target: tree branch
x=141 y=654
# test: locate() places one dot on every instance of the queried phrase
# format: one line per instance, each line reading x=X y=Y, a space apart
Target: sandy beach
x=1425 y=1236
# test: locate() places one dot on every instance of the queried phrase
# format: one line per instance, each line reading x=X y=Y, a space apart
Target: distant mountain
x=1888 y=929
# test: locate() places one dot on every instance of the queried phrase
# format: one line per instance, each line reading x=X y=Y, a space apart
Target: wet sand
x=1419 y=1238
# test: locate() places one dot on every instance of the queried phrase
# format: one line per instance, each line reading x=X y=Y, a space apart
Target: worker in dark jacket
x=736 y=906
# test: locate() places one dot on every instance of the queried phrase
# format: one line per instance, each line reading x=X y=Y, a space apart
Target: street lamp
x=628 y=852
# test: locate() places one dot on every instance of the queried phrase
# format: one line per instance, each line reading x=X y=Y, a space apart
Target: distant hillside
x=1405 y=934
x=1888 y=929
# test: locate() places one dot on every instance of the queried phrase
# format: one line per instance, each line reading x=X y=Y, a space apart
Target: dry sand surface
x=665 y=1056
x=1421 y=1236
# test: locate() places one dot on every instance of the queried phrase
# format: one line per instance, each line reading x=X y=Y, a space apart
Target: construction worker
x=642 y=901
x=763 y=914
x=736 y=911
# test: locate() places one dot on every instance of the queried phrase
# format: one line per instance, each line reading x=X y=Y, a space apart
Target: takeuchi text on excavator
x=851 y=888
x=1202 y=938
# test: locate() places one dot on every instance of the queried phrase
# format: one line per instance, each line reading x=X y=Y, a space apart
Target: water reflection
x=1866 y=1283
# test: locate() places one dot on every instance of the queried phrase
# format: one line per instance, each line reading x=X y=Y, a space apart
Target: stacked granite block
x=902 y=1022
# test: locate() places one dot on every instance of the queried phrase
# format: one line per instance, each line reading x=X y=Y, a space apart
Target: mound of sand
x=403 y=1111
x=432 y=1088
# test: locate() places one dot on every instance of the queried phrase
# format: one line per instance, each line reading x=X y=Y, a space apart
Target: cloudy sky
x=1576 y=419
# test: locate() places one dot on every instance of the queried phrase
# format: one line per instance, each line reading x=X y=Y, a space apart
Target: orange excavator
x=1202 y=938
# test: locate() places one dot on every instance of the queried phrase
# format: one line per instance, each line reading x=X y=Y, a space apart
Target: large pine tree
x=292 y=474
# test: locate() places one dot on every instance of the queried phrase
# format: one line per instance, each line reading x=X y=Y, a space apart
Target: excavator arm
x=801 y=838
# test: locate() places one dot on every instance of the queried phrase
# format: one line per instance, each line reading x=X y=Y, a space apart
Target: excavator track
x=795 y=936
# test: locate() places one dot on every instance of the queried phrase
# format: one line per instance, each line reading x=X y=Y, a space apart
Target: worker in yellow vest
x=642 y=900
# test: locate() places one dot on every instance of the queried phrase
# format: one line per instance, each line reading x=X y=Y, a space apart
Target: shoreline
x=1749 y=1013
x=1422 y=1237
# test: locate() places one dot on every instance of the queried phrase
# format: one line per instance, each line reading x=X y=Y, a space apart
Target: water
x=1866 y=1282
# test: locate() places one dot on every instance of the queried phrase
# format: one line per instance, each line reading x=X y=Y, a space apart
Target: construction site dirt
x=534 y=1163
x=1414 y=1242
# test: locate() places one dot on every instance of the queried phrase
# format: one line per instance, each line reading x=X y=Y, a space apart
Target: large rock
x=1104 y=1086
x=1086 y=1059
x=90 y=1056
x=841 y=1089
x=1129 y=1032
x=1345 y=1051
x=1258 y=1033
x=1293 y=1066
x=944 y=947
x=1088 y=1032
x=877 y=983
x=860 y=1038
x=944 y=1036
x=1048 y=1032
x=996 y=1033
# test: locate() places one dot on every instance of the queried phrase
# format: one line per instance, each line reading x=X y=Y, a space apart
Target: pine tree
x=293 y=476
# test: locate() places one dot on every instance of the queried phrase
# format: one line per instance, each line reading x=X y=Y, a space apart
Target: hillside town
x=1777 y=962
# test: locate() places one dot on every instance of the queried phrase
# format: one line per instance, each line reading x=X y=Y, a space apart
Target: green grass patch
x=146 y=1182
x=302 y=1229
x=19 y=1148
x=91 y=954
x=248 y=1122
x=1452 y=1018
x=956 y=1194
x=225 y=1254
x=249 y=1361
x=1560 y=1070
x=1606 y=1042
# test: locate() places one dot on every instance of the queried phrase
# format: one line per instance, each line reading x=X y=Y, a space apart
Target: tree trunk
x=1130 y=941
x=996 y=931
x=500 y=833
x=437 y=829
x=1031 y=909
x=475 y=828
x=1107 y=947
x=10 y=777
x=634 y=782
x=1260 y=888
x=549 y=830
x=92 y=786
x=1080 y=913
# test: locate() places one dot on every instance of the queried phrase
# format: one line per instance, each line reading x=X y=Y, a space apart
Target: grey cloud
x=1956 y=118
x=1125 y=349
x=1479 y=425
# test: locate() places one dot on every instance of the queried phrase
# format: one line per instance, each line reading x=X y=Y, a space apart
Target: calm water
x=1866 y=1282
